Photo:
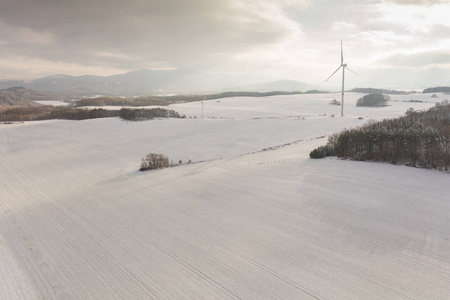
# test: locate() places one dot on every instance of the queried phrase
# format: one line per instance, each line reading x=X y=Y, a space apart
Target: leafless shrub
x=154 y=161
x=335 y=102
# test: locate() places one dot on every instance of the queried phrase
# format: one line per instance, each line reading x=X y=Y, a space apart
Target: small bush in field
x=158 y=161
x=154 y=161
x=335 y=102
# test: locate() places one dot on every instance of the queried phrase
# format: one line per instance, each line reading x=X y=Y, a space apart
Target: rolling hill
x=251 y=218
x=19 y=96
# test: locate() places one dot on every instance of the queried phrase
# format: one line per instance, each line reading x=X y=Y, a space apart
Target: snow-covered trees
x=418 y=139
x=322 y=151
x=442 y=103
x=373 y=100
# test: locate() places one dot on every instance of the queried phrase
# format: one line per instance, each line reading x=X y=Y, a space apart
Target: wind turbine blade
x=333 y=73
x=342 y=54
x=351 y=71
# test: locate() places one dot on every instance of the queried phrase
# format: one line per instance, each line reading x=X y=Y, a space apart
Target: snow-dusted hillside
x=78 y=221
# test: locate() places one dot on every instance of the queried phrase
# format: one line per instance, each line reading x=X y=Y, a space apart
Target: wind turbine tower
x=343 y=66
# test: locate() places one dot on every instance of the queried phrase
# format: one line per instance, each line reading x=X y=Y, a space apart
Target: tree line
x=19 y=114
x=147 y=114
x=378 y=91
x=113 y=101
x=439 y=89
x=52 y=112
x=420 y=139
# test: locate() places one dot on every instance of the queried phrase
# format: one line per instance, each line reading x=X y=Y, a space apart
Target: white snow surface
x=52 y=102
x=252 y=218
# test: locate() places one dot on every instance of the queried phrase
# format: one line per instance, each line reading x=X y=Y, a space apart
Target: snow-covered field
x=52 y=103
x=78 y=221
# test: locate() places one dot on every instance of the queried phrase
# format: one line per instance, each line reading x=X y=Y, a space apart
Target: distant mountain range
x=144 y=82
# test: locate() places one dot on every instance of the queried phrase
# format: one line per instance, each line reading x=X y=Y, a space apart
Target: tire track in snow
x=172 y=255
x=394 y=290
x=255 y=263
x=203 y=253
x=143 y=237
x=243 y=257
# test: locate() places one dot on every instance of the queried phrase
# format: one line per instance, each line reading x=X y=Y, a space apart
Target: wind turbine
x=343 y=66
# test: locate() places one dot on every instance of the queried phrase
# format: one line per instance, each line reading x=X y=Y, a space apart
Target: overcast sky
x=389 y=43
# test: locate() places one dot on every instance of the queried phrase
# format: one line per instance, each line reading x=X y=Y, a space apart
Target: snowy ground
x=78 y=221
x=52 y=103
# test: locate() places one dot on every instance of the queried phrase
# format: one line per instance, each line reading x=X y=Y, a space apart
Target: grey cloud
x=416 y=2
x=179 y=32
x=439 y=32
x=402 y=78
x=322 y=13
x=423 y=59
